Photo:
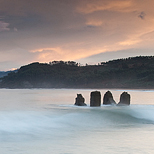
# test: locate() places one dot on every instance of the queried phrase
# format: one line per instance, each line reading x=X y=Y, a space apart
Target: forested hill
x=135 y=72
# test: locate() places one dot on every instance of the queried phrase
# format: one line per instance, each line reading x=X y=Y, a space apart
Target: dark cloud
x=4 y=26
x=39 y=14
x=23 y=23
x=142 y=15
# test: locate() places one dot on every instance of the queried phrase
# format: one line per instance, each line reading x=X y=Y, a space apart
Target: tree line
x=132 y=72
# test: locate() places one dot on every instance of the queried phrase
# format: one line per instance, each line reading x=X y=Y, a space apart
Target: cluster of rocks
x=95 y=99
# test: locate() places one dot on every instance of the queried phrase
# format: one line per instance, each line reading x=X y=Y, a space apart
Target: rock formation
x=95 y=98
x=108 y=99
x=79 y=100
x=124 y=99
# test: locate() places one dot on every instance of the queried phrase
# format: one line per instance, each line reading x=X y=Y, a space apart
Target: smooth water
x=45 y=121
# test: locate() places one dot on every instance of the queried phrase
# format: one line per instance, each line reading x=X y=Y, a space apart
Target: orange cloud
x=94 y=22
x=97 y=5
x=130 y=42
x=46 y=50
x=58 y=53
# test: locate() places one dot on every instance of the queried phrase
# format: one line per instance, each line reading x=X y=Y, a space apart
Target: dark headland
x=133 y=72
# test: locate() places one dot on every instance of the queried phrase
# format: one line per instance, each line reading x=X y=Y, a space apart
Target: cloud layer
x=46 y=30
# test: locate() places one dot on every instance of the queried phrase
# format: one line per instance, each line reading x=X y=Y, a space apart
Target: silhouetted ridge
x=133 y=72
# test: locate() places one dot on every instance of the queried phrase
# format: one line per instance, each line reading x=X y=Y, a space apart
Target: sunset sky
x=85 y=31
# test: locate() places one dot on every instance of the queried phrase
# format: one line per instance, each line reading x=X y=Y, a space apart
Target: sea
x=46 y=121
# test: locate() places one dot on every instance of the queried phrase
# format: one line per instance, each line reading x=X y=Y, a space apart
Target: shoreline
x=117 y=89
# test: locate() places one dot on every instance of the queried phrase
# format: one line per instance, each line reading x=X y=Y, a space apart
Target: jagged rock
x=108 y=99
x=124 y=99
x=95 y=98
x=79 y=100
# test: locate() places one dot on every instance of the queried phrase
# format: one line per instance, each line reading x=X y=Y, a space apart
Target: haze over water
x=43 y=121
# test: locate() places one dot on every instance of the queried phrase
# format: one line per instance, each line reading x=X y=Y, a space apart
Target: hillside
x=134 y=72
x=3 y=73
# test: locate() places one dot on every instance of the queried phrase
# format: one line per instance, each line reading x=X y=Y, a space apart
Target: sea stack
x=95 y=98
x=79 y=100
x=108 y=99
x=124 y=99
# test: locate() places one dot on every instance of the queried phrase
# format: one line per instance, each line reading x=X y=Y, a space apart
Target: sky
x=85 y=31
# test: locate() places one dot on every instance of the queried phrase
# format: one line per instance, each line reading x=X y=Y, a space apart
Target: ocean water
x=45 y=121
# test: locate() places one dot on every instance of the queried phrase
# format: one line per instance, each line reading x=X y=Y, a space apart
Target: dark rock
x=95 y=98
x=124 y=99
x=79 y=100
x=108 y=99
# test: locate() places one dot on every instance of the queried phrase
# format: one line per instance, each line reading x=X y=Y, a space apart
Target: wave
x=114 y=115
x=67 y=119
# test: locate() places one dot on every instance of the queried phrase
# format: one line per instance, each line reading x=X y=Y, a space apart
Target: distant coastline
x=128 y=73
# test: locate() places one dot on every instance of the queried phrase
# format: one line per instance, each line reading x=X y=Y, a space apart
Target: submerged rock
x=79 y=100
x=95 y=98
x=124 y=99
x=108 y=99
